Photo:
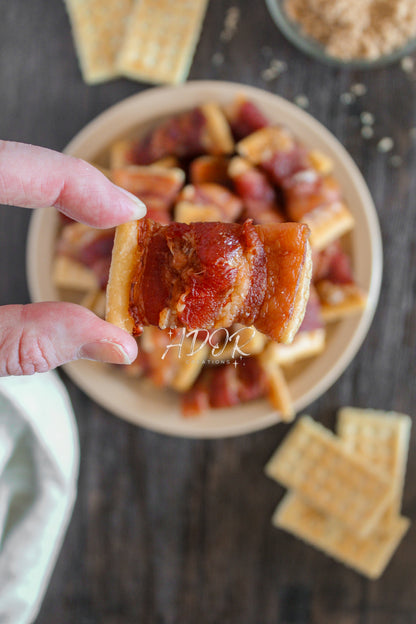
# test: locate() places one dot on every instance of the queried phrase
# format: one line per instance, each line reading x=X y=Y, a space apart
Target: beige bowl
x=139 y=402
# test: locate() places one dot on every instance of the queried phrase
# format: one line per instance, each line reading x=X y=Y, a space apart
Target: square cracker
x=98 y=29
x=315 y=463
x=328 y=223
x=73 y=275
x=339 y=301
x=160 y=40
x=278 y=389
x=382 y=439
x=369 y=556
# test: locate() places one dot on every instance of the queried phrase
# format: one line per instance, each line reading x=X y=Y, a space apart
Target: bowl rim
x=158 y=99
x=313 y=48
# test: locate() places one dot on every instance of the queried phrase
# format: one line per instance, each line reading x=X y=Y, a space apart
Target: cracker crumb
x=356 y=29
x=359 y=89
x=407 y=64
x=268 y=75
x=274 y=70
x=367 y=132
x=347 y=98
x=396 y=161
x=302 y=101
x=385 y=144
x=217 y=59
x=367 y=119
x=232 y=17
x=278 y=65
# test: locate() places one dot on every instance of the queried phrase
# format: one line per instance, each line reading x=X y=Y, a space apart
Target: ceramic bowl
x=139 y=402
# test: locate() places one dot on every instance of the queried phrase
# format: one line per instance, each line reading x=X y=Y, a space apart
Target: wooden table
x=169 y=530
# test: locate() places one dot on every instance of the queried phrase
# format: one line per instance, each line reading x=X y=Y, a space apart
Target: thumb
x=37 y=337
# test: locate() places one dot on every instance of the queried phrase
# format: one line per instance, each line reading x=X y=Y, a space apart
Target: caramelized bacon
x=282 y=164
x=161 y=362
x=307 y=190
x=90 y=247
x=179 y=136
x=245 y=117
x=201 y=130
x=261 y=212
x=313 y=316
x=286 y=249
x=209 y=169
x=156 y=186
x=210 y=194
x=333 y=264
x=209 y=275
x=287 y=164
x=225 y=385
x=258 y=195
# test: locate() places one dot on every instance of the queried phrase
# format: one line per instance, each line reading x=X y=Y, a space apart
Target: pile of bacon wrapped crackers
x=225 y=164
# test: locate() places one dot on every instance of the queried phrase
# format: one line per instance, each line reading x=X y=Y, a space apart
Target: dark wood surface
x=175 y=531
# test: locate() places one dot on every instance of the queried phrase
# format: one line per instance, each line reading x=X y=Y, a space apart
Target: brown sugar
x=354 y=29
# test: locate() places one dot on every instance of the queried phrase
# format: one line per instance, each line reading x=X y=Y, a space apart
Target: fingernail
x=139 y=207
x=104 y=351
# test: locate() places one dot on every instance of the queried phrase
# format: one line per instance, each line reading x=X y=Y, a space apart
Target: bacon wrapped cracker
x=209 y=275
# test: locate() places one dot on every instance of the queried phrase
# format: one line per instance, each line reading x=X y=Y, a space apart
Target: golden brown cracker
x=369 y=555
x=98 y=30
x=382 y=439
x=315 y=463
x=71 y=274
x=305 y=344
x=328 y=223
x=339 y=300
x=160 y=40
x=123 y=262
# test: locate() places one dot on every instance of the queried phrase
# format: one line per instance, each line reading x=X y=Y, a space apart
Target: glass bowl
x=316 y=50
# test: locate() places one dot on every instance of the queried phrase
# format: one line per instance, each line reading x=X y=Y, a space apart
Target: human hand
x=38 y=337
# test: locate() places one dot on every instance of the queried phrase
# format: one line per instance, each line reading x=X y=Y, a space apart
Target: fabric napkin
x=39 y=458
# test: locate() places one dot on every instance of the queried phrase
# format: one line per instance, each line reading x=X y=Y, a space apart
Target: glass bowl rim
x=314 y=49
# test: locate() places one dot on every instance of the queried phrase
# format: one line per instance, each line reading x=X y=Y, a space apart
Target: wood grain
x=172 y=531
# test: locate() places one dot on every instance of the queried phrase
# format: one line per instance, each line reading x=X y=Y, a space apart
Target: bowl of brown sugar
x=357 y=33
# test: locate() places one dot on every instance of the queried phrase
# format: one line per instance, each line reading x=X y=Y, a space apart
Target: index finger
x=35 y=177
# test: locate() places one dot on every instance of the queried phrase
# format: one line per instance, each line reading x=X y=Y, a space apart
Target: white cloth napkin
x=39 y=458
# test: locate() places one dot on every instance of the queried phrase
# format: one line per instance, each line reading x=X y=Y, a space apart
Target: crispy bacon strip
x=209 y=275
x=245 y=117
x=308 y=190
x=313 y=315
x=258 y=195
x=209 y=169
x=224 y=386
x=204 y=129
x=156 y=186
x=210 y=194
x=88 y=246
x=333 y=264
